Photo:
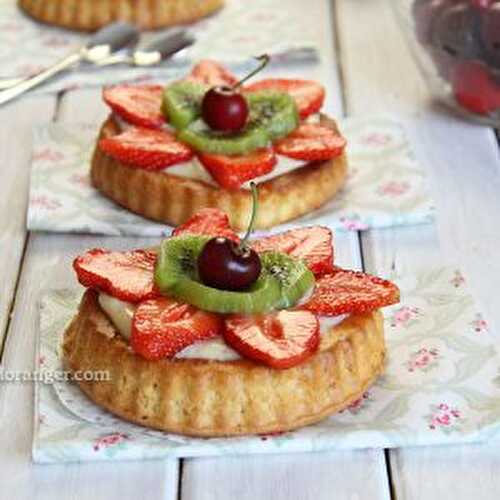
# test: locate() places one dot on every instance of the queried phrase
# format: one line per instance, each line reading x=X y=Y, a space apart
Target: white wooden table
x=367 y=68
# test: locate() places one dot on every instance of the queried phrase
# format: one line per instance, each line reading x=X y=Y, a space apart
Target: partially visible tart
x=300 y=343
x=157 y=155
x=90 y=15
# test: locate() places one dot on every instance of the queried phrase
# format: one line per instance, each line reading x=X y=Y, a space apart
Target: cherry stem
x=255 y=204
x=264 y=58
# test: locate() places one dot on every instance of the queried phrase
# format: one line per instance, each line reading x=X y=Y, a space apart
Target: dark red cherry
x=224 y=109
x=223 y=264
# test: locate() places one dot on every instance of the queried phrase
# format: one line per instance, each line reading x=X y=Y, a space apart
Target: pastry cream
x=121 y=313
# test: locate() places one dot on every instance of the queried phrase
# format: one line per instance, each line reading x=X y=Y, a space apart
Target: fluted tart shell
x=90 y=15
x=215 y=398
x=172 y=199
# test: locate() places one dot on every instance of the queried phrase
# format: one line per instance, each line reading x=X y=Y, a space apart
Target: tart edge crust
x=213 y=398
x=172 y=200
x=90 y=15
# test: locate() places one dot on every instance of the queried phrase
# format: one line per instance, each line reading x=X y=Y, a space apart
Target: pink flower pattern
x=376 y=139
x=45 y=202
x=353 y=224
x=444 y=417
x=404 y=316
x=47 y=155
x=458 y=279
x=356 y=406
x=479 y=324
x=423 y=359
x=110 y=440
x=393 y=188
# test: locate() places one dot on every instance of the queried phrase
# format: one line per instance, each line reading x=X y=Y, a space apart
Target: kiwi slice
x=181 y=103
x=176 y=275
x=274 y=111
x=202 y=138
x=293 y=275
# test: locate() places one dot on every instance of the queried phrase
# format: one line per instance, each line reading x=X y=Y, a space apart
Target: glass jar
x=457 y=46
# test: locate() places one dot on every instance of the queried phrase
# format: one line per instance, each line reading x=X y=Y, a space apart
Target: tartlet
x=166 y=195
x=206 y=395
x=90 y=15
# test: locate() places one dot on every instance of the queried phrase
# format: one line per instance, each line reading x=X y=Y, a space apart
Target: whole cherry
x=227 y=265
x=224 y=108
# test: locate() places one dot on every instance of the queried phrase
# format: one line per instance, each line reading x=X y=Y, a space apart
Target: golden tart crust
x=214 y=398
x=172 y=199
x=90 y=15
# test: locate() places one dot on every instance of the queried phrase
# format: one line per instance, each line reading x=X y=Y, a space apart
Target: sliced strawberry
x=128 y=276
x=351 y=292
x=312 y=244
x=146 y=148
x=281 y=339
x=212 y=73
x=209 y=221
x=230 y=172
x=139 y=105
x=311 y=142
x=162 y=327
x=308 y=95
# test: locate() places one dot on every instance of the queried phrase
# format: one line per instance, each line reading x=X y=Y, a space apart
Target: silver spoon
x=110 y=39
x=149 y=55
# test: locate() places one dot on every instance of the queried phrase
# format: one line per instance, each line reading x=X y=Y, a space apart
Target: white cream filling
x=194 y=170
x=121 y=313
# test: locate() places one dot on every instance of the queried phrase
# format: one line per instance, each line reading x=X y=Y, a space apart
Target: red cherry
x=475 y=89
x=223 y=264
x=225 y=109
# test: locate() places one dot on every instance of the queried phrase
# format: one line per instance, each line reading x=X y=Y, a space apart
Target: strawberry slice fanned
x=162 y=327
x=230 y=172
x=350 y=292
x=212 y=73
x=308 y=95
x=208 y=221
x=281 y=339
x=127 y=276
x=311 y=142
x=312 y=244
x=146 y=148
x=137 y=104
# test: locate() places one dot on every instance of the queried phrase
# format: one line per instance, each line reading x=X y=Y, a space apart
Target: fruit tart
x=90 y=15
x=165 y=153
x=210 y=335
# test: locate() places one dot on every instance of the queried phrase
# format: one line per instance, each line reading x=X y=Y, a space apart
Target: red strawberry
x=475 y=89
x=162 y=327
x=231 y=172
x=308 y=95
x=212 y=73
x=209 y=221
x=127 y=276
x=351 y=292
x=139 y=105
x=281 y=339
x=311 y=142
x=146 y=148
x=313 y=244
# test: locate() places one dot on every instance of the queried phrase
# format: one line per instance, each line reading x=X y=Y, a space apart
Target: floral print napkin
x=441 y=386
x=386 y=185
x=249 y=28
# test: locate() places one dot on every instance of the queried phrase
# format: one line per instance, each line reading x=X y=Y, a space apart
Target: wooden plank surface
x=15 y=158
x=463 y=164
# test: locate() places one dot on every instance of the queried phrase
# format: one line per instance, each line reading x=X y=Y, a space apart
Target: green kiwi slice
x=176 y=275
x=181 y=103
x=202 y=138
x=293 y=275
x=276 y=112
